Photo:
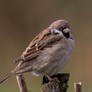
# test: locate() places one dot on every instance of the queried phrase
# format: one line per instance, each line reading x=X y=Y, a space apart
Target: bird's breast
x=52 y=59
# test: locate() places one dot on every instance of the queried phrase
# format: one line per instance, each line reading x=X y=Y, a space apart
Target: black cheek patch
x=67 y=35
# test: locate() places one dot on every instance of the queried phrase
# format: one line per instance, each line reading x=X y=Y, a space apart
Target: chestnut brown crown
x=59 y=23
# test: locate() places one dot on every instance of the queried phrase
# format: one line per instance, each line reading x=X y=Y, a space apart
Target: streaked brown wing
x=41 y=41
x=40 y=36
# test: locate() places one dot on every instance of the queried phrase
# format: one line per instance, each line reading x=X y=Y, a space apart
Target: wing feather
x=43 y=40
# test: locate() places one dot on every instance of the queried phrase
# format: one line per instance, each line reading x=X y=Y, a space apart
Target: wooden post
x=21 y=83
x=77 y=87
x=56 y=83
x=59 y=83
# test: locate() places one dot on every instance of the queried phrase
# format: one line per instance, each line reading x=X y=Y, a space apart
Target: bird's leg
x=48 y=77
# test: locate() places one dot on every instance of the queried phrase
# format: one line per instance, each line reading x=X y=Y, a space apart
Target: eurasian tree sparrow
x=47 y=53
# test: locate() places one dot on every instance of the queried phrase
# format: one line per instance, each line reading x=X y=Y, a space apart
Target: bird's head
x=62 y=26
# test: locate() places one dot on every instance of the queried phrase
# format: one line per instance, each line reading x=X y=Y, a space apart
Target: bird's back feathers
x=43 y=40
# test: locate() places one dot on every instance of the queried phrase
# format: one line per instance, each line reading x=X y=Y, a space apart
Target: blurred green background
x=21 y=20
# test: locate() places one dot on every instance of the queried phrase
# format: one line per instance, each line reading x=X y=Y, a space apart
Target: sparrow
x=47 y=53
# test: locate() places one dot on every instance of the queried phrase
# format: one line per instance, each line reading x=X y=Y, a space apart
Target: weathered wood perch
x=56 y=83
x=59 y=83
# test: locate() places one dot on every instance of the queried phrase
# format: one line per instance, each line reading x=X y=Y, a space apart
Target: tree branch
x=77 y=87
x=21 y=83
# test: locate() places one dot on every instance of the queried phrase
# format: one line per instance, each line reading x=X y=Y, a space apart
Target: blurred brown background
x=21 y=20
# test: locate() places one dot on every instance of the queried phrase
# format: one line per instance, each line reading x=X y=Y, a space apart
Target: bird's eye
x=60 y=29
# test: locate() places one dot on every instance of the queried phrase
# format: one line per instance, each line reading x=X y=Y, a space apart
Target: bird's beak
x=66 y=30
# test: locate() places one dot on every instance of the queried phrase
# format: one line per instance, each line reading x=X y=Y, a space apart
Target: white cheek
x=57 y=31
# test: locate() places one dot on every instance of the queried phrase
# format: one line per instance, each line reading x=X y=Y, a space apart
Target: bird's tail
x=6 y=77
